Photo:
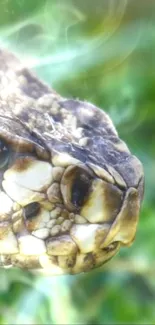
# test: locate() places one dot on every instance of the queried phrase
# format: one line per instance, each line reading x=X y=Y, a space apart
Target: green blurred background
x=102 y=51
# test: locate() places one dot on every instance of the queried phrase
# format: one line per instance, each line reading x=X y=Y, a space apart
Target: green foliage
x=103 y=52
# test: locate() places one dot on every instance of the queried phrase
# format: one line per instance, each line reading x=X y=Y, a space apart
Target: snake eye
x=80 y=189
x=31 y=210
x=4 y=154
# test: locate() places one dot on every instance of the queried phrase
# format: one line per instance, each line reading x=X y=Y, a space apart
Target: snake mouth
x=63 y=219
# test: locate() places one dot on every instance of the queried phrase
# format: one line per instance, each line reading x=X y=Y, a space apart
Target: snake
x=70 y=189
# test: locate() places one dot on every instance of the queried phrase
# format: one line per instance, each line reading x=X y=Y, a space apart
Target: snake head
x=71 y=190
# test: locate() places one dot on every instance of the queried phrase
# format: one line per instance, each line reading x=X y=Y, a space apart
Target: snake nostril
x=31 y=210
x=111 y=247
x=80 y=189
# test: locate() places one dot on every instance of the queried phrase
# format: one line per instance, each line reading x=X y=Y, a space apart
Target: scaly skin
x=70 y=188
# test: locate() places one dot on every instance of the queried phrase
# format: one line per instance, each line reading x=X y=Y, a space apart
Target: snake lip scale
x=70 y=189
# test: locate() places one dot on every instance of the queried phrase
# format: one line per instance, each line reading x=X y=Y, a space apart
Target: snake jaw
x=80 y=237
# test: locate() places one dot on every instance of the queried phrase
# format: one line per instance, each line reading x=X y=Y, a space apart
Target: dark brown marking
x=23 y=164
